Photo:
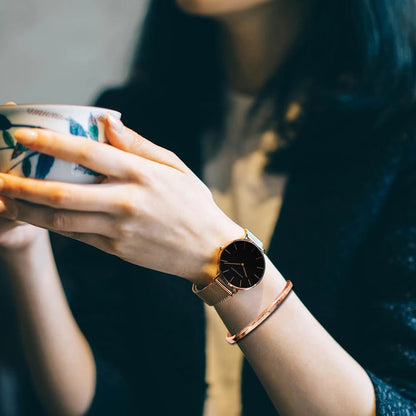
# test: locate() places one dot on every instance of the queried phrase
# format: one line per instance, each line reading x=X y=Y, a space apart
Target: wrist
x=242 y=266
x=226 y=232
x=17 y=261
x=20 y=241
x=241 y=308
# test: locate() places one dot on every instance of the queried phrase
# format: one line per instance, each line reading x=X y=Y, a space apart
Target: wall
x=65 y=52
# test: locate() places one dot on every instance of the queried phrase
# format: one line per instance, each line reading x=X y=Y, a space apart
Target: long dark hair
x=356 y=58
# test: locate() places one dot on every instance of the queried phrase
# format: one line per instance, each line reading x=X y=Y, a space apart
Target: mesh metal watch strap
x=215 y=292
x=219 y=290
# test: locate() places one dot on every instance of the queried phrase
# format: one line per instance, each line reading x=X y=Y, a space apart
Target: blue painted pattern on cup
x=75 y=120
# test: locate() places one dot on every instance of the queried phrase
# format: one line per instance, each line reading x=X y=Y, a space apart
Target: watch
x=241 y=267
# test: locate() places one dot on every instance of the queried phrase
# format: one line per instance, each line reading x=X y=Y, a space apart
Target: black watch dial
x=242 y=264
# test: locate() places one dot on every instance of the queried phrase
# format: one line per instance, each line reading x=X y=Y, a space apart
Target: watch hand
x=232 y=268
x=244 y=269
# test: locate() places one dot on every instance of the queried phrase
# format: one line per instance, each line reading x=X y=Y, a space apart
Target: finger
x=10 y=103
x=92 y=198
x=99 y=157
x=101 y=242
x=128 y=140
x=57 y=220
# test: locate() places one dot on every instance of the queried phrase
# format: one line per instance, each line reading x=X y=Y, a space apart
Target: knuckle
x=131 y=171
x=126 y=206
x=147 y=179
x=124 y=230
x=137 y=144
x=120 y=227
x=58 y=221
x=58 y=197
x=172 y=155
x=177 y=161
x=115 y=246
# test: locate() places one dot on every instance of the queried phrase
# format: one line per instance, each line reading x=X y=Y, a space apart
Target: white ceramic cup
x=76 y=120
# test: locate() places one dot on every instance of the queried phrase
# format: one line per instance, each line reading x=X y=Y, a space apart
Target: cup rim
x=61 y=106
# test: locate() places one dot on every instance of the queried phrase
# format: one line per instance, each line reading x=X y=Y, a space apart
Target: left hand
x=151 y=209
x=16 y=237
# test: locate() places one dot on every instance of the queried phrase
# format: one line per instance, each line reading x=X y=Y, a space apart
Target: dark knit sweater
x=346 y=237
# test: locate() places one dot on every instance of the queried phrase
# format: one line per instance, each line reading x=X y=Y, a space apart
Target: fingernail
x=1 y=183
x=25 y=136
x=115 y=123
x=2 y=206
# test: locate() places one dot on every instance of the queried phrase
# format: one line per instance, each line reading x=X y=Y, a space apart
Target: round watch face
x=242 y=264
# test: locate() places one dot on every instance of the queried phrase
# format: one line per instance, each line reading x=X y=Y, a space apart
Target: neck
x=255 y=42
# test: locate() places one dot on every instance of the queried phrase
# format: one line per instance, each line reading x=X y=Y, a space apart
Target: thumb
x=128 y=140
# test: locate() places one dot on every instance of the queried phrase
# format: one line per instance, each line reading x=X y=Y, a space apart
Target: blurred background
x=65 y=52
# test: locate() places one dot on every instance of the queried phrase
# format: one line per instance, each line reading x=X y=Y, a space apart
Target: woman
x=325 y=94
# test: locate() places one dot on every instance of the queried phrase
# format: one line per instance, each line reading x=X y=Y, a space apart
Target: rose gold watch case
x=221 y=278
x=220 y=289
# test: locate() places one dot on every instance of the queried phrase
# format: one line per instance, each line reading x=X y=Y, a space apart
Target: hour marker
x=235 y=246
x=260 y=267
x=249 y=281
x=257 y=276
x=253 y=249
x=225 y=271
x=227 y=251
x=244 y=244
x=241 y=283
x=232 y=279
x=257 y=258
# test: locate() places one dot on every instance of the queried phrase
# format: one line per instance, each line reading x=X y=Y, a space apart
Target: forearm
x=303 y=369
x=59 y=357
